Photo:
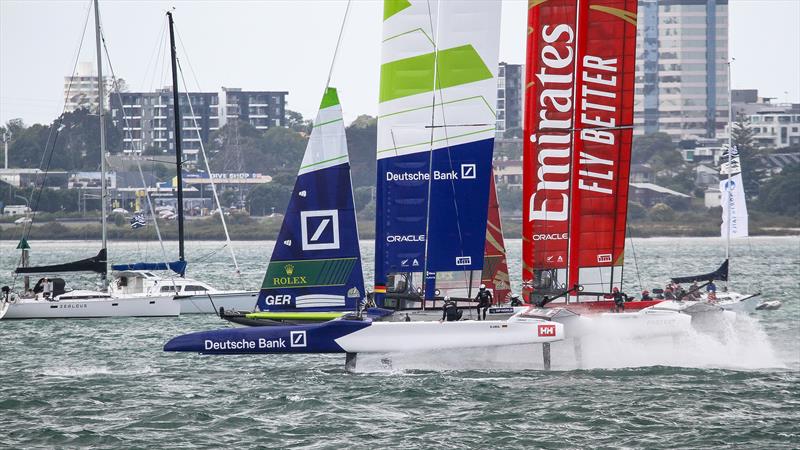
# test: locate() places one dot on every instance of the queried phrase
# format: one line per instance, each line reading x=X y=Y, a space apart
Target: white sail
x=734 y=205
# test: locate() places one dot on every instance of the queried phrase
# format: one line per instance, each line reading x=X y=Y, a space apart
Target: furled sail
x=495 y=266
x=577 y=147
x=97 y=264
x=436 y=130
x=316 y=262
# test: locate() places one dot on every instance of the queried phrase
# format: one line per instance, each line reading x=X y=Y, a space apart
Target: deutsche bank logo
x=297 y=338
x=320 y=229
x=468 y=171
x=463 y=260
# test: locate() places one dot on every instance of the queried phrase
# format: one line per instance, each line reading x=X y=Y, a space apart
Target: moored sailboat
x=49 y=299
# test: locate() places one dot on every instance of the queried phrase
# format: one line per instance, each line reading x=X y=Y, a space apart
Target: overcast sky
x=288 y=45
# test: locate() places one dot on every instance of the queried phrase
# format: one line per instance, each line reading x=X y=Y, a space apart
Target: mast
x=101 y=113
x=176 y=109
x=728 y=192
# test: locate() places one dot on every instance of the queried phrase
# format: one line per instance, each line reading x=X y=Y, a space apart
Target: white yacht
x=193 y=296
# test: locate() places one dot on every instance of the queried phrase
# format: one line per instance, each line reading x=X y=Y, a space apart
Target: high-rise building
x=510 y=96
x=80 y=89
x=148 y=123
x=261 y=109
x=681 y=70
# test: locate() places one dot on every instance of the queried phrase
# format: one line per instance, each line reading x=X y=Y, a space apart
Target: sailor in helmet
x=450 y=311
x=484 y=299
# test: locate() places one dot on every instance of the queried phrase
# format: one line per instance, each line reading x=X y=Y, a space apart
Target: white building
x=80 y=89
x=776 y=128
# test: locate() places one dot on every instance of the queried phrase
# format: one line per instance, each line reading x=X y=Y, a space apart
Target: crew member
x=646 y=295
x=484 y=299
x=47 y=288
x=619 y=299
x=711 y=288
x=450 y=311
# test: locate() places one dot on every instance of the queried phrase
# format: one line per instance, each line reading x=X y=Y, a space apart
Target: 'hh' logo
x=297 y=338
x=547 y=330
x=468 y=171
x=320 y=229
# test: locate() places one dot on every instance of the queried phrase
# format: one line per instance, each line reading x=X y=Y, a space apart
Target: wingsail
x=495 y=267
x=436 y=129
x=577 y=146
x=316 y=263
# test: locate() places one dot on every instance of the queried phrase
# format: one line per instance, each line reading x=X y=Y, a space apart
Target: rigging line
x=208 y=170
x=435 y=34
x=188 y=61
x=153 y=61
x=635 y=261
x=338 y=44
x=35 y=205
x=138 y=163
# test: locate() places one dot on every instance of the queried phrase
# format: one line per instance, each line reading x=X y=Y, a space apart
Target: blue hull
x=316 y=338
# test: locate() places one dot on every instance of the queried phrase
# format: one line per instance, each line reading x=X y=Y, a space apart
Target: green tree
x=781 y=193
x=661 y=213
x=295 y=121
x=753 y=172
x=636 y=211
x=362 y=196
x=649 y=145
x=263 y=198
x=362 y=138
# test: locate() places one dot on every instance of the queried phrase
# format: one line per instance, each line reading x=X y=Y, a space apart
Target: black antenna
x=176 y=109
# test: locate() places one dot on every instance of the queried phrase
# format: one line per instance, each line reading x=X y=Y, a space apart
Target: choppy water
x=106 y=383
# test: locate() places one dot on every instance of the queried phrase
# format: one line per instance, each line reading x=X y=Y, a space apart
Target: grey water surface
x=106 y=383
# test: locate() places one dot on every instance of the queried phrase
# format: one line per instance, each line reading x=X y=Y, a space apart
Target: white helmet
x=483 y=286
x=447 y=298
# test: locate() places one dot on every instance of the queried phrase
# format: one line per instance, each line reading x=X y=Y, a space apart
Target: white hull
x=428 y=315
x=391 y=337
x=639 y=324
x=141 y=306
x=732 y=301
x=201 y=304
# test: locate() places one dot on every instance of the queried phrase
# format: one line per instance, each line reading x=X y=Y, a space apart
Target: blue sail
x=316 y=263
x=436 y=129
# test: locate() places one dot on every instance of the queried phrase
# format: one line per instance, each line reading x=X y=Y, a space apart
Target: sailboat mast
x=728 y=192
x=176 y=109
x=101 y=112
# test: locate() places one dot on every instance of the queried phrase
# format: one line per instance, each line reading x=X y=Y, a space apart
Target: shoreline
x=267 y=229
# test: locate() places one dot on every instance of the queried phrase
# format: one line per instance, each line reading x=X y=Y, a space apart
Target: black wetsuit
x=484 y=298
x=619 y=300
x=450 y=312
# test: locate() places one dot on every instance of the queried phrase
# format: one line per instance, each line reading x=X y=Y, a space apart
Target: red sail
x=547 y=143
x=602 y=142
x=495 y=268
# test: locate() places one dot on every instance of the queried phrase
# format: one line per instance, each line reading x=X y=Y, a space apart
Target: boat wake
x=80 y=372
x=737 y=343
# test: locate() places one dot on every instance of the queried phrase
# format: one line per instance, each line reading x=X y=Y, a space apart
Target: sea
x=106 y=383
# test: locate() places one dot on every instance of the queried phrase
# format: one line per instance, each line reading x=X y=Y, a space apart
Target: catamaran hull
x=639 y=324
x=357 y=336
x=427 y=315
x=202 y=304
x=160 y=306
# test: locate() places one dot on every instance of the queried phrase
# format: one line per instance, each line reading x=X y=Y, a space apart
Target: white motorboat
x=193 y=296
